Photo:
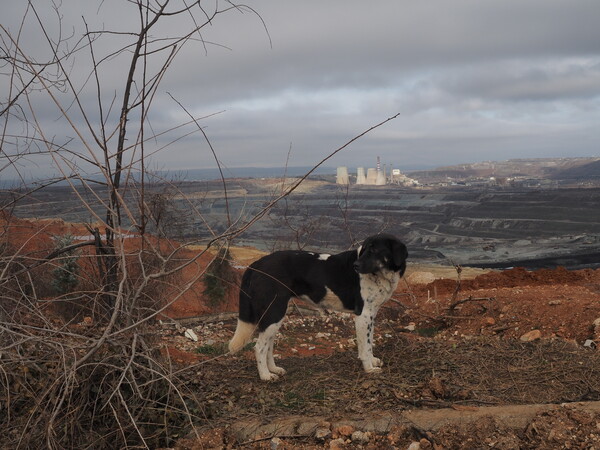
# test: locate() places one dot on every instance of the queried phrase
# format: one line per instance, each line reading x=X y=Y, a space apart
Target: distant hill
x=581 y=172
x=540 y=168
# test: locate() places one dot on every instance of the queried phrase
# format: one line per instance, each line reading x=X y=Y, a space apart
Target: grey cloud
x=473 y=80
x=337 y=43
x=525 y=80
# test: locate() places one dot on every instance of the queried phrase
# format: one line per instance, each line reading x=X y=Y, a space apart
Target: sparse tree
x=103 y=157
x=107 y=386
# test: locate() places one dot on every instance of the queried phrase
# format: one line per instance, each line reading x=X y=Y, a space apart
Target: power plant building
x=375 y=176
x=371 y=176
x=342 y=176
x=360 y=176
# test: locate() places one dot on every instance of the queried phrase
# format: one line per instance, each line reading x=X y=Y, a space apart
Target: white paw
x=277 y=370
x=372 y=365
x=269 y=377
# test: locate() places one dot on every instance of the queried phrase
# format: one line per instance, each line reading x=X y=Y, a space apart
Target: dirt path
x=379 y=426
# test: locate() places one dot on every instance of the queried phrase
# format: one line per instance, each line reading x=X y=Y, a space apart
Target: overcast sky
x=472 y=80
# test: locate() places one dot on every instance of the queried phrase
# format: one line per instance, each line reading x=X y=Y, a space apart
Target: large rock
x=531 y=336
x=420 y=278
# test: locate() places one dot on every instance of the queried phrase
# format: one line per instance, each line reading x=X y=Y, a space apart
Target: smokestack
x=342 y=176
x=380 y=178
x=360 y=176
x=371 y=176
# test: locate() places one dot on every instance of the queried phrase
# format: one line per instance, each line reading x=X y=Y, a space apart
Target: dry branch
x=470 y=298
x=104 y=382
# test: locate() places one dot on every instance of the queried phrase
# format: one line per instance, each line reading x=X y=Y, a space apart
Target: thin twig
x=469 y=299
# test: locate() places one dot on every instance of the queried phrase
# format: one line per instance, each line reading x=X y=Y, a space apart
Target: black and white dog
x=355 y=280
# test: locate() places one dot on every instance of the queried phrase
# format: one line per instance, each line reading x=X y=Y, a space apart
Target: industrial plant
x=378 y=176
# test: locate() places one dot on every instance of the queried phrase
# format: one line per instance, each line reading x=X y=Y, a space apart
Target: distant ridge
x=549 y=168
x=585 y=171
x=198 y=175
x=244 y=172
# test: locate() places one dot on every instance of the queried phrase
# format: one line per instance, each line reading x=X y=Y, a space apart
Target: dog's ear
x=362 y=247
x=400 y=252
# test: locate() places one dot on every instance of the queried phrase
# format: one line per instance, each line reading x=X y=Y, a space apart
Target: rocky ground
x=505 y=359
x=473 y=359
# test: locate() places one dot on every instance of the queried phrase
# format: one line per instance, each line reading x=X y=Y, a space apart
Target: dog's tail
x=243 y=334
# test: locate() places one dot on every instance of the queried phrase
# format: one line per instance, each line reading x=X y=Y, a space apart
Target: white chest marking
x=376 y=289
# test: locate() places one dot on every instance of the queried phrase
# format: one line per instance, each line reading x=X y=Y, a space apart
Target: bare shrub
x=99 y=379
x=220 y=278
x=102 y=379
x=124 y=393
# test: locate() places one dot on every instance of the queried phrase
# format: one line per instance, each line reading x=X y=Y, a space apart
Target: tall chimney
x=380 y=180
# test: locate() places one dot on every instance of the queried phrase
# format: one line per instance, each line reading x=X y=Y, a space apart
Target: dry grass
x=417 y=373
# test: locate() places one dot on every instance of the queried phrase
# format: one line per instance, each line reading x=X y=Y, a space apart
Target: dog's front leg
x=364 y=339
x=267 y=370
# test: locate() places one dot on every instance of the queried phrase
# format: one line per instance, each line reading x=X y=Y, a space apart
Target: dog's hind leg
x=267 y=370
x=273 y=368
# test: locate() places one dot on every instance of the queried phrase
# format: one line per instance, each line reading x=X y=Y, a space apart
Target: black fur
x=382 y=248
x=269 y=283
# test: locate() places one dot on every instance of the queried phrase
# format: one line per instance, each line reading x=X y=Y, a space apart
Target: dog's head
x=382 y=251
